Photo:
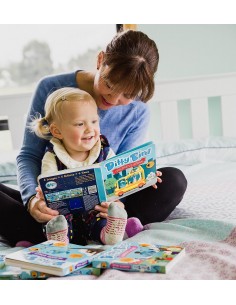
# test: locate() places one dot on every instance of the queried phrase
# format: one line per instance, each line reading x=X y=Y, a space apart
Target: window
x=29 y=52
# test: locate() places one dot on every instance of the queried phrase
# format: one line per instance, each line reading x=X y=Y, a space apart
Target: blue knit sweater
x=124 y=126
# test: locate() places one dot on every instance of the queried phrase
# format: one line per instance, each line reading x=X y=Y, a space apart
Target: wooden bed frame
x=194 y=108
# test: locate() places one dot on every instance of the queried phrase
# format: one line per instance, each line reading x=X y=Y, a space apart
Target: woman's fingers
x=41 y=213
x=159 y=174
x=45 y=210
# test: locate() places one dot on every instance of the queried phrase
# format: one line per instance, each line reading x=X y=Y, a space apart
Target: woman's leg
x=10 y=192
x=155 y=205
x=15 y=222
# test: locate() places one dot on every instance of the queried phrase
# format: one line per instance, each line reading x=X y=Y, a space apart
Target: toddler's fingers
x=103 y=215
x=105 y=204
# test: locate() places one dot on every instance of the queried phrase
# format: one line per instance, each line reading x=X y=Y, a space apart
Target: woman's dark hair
x=132 y=58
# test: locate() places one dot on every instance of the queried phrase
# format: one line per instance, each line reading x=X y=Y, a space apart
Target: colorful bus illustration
x=134 y=179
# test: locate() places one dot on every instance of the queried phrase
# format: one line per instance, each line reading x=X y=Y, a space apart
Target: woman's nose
x=115 y=99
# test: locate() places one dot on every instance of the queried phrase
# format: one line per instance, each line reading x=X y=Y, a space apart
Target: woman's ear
x=100 y=59
x=55 y=131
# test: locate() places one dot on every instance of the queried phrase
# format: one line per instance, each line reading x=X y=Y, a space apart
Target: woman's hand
x=39 y=211
x=103 y=208
x=159 y=180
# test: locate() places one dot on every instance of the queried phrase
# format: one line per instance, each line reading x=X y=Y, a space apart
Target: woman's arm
x=37 y=206
x=33 y=148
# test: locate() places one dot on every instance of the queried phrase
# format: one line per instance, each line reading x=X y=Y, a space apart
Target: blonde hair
x=41 y=125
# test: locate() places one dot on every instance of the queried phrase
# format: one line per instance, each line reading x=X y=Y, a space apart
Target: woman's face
x=104 y=95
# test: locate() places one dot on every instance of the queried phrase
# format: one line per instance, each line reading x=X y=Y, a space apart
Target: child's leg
x=57 y=229
x=113 y=231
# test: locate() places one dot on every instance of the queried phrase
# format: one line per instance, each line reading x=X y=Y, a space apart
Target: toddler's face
x=79 y=126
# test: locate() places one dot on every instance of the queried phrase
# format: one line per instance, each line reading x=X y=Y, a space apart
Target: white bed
x=193 y=125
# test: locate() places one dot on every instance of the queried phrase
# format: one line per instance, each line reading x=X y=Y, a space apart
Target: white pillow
x=186 y=152
x=193 y=151
x=221 y=149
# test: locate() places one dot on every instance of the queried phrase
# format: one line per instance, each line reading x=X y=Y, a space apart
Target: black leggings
x=155 y=205
x=15 y=222
x=149 y=205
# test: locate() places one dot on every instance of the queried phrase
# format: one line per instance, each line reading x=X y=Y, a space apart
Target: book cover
x=129 y=172
x=87 y=270
x=73 y=190
x=139 y=257
x=17 y=273
x=53 y=257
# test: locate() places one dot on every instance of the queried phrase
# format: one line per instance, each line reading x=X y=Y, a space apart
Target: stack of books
x=59 y=259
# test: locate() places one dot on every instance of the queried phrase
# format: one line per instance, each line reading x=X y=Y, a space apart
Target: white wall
x=193 y=50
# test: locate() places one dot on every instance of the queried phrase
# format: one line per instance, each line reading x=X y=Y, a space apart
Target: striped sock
x=57 y=229
x=114 y=230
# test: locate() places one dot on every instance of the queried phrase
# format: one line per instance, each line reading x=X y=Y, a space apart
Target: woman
x=122 y=84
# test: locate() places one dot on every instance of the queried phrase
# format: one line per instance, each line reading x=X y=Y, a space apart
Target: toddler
x=71 y=123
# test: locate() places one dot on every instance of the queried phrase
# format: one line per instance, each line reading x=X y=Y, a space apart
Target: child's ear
x=55 y=131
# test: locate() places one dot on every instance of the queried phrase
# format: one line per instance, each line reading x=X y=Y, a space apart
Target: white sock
x=114 y=230
x=57 y=229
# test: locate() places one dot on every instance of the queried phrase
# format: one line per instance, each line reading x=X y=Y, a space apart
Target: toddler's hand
x=103 y=208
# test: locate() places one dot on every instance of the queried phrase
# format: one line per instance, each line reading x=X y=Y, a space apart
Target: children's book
x=87 y=270
x=17 y=273
x=53 y=257
x=73 y=190
x=139 y=257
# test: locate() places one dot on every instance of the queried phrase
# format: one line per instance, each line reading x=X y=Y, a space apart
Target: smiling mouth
x=106 y=103
x=87 y=139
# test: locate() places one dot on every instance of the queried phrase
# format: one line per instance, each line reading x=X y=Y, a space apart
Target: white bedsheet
x=211 y=192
